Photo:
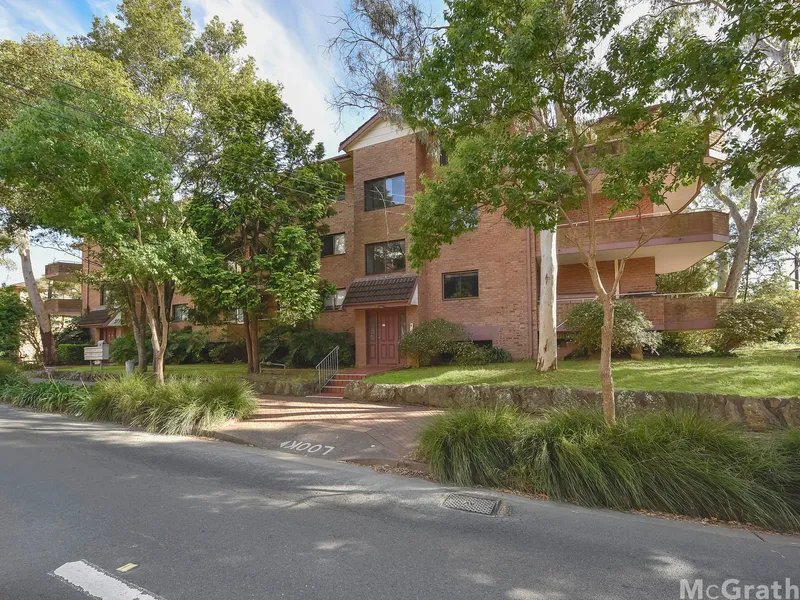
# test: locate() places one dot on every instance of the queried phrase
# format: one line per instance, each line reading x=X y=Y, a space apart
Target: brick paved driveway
x=358 y=430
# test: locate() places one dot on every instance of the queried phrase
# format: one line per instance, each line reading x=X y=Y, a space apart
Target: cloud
x=18 y=17
x=287 y=44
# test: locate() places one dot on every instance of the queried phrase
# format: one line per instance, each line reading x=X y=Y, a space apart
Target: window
x=384 y=192
x=237 y=316
x=335 y=301
x=102 y=295
x=180 y=312
x=460 y=285
x=443 y=158
x=386 y=257
x=333 y=245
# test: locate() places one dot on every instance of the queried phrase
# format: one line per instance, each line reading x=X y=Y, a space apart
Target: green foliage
x=746 y=323
x=8 y=370
x=71 y=334
x=498 y=355
x=786 y=300
x=70 y=354
x=187 y=347
x=631 y=327
x=697 y=278
x=684 y=343
x=181 y=406
x=228 y=352
x=430 y=340
x=12 y=312
x=305 y=348
x=123 y=349
x=466 y=353
x=677 y=463
x=48 y=396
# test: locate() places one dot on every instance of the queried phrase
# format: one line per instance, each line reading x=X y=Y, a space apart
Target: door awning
x=387 y=289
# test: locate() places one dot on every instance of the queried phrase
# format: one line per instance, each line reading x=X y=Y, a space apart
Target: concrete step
x=326 y=395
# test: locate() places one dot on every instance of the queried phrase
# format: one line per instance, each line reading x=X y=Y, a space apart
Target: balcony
x=677 y=242
x=63 y=307
x=668 y=312
x=62 y=270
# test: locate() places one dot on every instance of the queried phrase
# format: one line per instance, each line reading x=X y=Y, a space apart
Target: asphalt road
x=212 y=520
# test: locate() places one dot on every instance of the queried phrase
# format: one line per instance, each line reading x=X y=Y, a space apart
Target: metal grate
x=473 y=504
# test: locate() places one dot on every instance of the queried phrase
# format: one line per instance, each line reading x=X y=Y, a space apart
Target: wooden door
x=383 y=335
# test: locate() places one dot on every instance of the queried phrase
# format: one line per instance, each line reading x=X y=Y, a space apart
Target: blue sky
x=286 y=37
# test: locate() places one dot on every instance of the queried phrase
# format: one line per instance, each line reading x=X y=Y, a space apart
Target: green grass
x=676 y=463
x=765 y=371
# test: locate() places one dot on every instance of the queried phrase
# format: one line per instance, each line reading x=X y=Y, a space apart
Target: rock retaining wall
x=277 y=387
x=757 y=413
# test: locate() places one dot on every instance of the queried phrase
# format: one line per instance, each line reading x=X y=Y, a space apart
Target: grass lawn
x=212 y=370
x=765 y=371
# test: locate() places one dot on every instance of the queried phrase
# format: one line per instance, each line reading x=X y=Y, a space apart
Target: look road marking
x=96 y=583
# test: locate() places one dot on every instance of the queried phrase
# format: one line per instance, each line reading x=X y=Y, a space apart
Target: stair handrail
x=327 y=368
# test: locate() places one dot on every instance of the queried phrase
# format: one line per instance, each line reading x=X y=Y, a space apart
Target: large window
x=333 y=245
x=460 y=285
x=386 y=257
x=384 y=192
x=335 y=301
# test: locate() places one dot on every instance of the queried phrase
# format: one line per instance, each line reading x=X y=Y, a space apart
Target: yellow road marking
x=128 y=567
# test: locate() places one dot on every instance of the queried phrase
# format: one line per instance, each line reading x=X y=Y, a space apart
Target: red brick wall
x=639 y=276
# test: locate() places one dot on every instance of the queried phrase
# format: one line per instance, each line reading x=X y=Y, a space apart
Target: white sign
x=306 y=447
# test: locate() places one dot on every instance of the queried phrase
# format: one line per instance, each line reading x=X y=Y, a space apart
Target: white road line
x=96 y=583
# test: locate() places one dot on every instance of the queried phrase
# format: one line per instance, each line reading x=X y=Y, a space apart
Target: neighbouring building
x=486 y=280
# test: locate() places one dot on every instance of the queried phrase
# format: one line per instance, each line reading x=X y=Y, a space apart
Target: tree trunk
x=722 y=271
x=744 y=228
x=42 y=318
x=135 y=306
x=606 y=380
x=797 y=271
x=251 y=341
x=548 y=346
x=159 y=331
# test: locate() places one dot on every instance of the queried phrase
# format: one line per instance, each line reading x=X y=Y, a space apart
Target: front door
x=383 y=335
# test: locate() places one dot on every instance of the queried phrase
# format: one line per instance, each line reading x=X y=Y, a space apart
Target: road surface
x=211 y=520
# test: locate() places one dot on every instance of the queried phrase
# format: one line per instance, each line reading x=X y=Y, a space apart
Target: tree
x=26 y=72
x=12 y=313
x=520 y=95
x=747 y=74
x=697 y=278
x=256 y=206
x=98 y=177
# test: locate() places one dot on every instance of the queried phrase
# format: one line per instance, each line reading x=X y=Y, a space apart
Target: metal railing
x=327 y=368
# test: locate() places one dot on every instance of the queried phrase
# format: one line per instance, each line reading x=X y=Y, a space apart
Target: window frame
x=386 y=245
x=384 y=179
x=460 y=274
x=185 y=308
x=335 y=307
x=333 y=236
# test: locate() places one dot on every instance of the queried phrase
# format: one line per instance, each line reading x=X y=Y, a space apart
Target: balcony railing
x=667 y=312
x=62 y=270
x=625 y=232
x=66 y=307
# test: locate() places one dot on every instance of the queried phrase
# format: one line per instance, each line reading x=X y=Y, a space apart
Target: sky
x=287 y=38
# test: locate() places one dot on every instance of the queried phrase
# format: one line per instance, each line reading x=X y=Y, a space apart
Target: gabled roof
x=360 y=131
x=95 y=318
x=372 y=290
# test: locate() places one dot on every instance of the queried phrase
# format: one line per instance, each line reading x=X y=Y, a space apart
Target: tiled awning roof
x=371 y=290
x=95 y=318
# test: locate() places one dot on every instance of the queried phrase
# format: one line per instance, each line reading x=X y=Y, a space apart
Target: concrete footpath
x=332 y=429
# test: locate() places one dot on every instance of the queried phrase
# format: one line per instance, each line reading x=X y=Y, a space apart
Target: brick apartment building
x=486 y=280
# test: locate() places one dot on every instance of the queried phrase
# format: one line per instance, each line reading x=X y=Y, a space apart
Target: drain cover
x=473 y=504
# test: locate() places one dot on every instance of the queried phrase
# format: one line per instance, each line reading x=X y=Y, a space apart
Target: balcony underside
x=62 y=271
x=677 y=242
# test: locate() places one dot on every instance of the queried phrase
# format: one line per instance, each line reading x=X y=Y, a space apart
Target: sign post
x=96 y=355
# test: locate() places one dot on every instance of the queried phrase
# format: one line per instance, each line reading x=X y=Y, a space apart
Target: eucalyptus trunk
x=606 y=379
x=42 y=318
x=251 y=341
x=547 y=359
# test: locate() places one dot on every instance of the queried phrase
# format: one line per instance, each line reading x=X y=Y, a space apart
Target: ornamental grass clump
x=679 y=463
x=180 y=406
x=48 y=396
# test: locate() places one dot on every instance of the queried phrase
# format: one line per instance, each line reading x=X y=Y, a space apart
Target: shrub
x=228 y=352
x=307 y=347
x=467 y=353
x=180 y=406
x=72 y=334
x=498 y=355
x=70 y=354
x=7 y=370
x=187 y=347
x=671 y=462
x=787 y=301
x=123 y=349
x=631 y=327
x=12 y=312
x=431 y=339
x=746 y=323
x=684 y=343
